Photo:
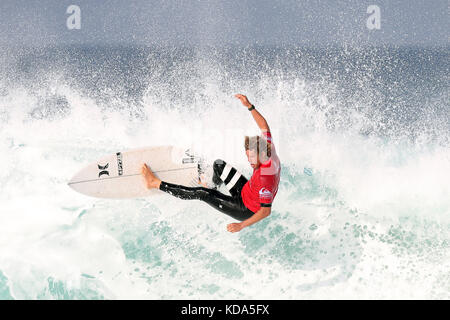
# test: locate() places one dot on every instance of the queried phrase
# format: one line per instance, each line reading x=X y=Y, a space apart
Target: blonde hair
x=260 y=145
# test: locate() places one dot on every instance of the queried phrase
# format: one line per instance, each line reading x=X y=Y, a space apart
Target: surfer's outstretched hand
x=234 y=227
x=244 y=100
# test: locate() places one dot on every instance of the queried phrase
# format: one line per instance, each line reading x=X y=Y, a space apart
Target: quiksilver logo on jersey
x=119 y=163
x=103 y=170
x=265 y=194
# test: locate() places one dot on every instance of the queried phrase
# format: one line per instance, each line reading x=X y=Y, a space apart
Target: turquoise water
x=363 y=208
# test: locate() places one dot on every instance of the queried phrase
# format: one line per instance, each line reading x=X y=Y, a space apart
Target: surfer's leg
x=223 y=203
x=224 y=173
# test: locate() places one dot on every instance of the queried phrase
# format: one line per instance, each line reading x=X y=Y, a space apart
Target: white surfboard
x=119 y=176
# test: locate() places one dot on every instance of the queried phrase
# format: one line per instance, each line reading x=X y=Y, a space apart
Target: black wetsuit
x=230 y=205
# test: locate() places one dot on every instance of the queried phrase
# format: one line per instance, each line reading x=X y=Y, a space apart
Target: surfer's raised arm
x=259 y=119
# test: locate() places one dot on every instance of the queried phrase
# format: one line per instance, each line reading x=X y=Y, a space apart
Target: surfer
x=250 y=200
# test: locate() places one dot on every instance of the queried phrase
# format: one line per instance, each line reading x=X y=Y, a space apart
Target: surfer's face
x=252 y=157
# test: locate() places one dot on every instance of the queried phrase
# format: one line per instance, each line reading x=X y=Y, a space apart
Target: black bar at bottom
x=221 y=309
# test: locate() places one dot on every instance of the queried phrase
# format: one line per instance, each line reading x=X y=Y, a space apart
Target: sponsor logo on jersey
x=265 y=194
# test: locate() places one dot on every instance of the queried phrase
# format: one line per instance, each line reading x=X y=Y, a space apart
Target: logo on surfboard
x=103 y=170
x=191 y=158
x=119 y=163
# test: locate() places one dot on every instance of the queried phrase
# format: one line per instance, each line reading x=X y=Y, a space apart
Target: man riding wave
x=250 y=200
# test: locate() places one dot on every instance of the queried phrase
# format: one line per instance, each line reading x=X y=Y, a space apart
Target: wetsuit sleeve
x=268 y=136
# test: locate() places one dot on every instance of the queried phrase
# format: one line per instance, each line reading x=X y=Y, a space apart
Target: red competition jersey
x=262 y=187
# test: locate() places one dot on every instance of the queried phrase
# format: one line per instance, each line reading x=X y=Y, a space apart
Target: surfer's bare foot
x=200 y=182
x=150 y=179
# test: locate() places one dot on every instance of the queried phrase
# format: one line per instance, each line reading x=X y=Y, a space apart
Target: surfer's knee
x=218 y=167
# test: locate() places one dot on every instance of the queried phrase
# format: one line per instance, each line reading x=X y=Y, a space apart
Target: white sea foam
x=370 y=221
